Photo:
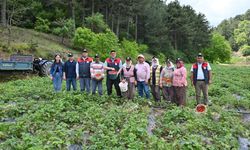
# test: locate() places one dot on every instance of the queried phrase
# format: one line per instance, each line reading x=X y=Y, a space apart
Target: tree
x=219 y=49
x=84 y=38
x=3 y=13
x=242 y=33
x=65 y=29
x=96 y=23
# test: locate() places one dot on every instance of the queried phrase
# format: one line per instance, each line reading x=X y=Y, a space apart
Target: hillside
x=29 y=41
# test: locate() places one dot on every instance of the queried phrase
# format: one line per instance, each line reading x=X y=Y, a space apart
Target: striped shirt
x=97 y=69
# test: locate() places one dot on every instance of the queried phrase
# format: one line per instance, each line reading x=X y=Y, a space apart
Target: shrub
x=131 y=48
x=219 y=49
x=42 y=25
x=245 y=50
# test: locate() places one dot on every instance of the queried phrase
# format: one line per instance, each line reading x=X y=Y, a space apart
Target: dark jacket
x=84 y=67
x=70 y=69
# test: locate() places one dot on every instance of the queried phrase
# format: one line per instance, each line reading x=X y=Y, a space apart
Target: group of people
x=169 y=80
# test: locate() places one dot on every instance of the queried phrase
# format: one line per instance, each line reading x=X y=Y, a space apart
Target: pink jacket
x=143 y=71
x=180 y=77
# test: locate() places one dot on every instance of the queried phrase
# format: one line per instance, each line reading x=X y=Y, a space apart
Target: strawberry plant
x=32 y=116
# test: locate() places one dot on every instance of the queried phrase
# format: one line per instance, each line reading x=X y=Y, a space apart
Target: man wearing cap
x=83 y=71
x=201 y=77
x=128 y=74
x=113 y=65
x=143 y=76
x=97 y=74
x=70 y=72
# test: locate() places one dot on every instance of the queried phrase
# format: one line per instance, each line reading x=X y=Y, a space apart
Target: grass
x=34 y=117
x=22 y=39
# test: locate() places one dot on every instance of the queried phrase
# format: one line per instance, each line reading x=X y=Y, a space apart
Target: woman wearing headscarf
x=166 y=81
x=155 y=72
x=180 y=83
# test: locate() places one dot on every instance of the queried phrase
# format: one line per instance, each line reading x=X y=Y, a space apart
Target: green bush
x=245 y=50
x=174 y=54
x=20 y=47
x=219 y=49
x=100 y=43
x=84 y=38
x=42 y=25
x=106 y=42
x=131 y=48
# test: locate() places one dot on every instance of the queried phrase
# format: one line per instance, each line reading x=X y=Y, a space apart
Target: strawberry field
x=34 y=117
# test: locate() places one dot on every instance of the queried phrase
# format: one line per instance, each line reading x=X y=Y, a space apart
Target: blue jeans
x=85 y=83
x=69 y=82
x=143 y=87
x=57 y=82
x=97 y=83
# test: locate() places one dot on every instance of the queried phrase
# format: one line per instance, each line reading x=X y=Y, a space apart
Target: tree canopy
x=165 y=28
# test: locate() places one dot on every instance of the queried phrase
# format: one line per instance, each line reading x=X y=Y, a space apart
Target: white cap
x=140 y=56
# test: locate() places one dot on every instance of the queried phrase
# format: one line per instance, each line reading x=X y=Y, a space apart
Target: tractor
x=26 y=64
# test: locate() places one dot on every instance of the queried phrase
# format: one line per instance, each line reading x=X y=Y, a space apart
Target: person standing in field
x=128 y=74
x=97 y=75
x=201 y=77
x=143 y=76
x=83 y=71
x=155 y=73
x=113 y=65
x=166 y=81
x=56 y=73
x=180 y=83
x=70 y=72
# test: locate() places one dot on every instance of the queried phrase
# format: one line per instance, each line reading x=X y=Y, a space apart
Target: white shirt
x=200 y=74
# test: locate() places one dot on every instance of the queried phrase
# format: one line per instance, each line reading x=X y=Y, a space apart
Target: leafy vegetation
x=236 y=30
x=34 y=117
x=29 y=41
x=219 y=50
x=164 y=28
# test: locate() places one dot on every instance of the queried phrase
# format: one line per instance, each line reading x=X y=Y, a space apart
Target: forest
x=166 y=30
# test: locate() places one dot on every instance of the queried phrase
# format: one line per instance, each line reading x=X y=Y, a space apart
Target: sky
x=218 y=10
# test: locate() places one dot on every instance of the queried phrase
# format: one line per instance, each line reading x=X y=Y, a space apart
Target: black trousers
x=110 y=84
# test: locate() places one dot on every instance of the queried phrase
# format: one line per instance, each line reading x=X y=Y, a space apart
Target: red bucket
x=201 y=108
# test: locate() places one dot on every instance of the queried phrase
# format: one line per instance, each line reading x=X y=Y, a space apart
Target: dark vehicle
x=26 y=63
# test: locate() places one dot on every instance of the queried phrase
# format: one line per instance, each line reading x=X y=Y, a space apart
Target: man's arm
x=105 y=66
x=77 y=70
x=210 y=76
x=148 y=73
x=192 y=75
x=91 y=70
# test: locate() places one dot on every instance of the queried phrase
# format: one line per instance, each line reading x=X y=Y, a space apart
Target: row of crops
x=32 y=116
